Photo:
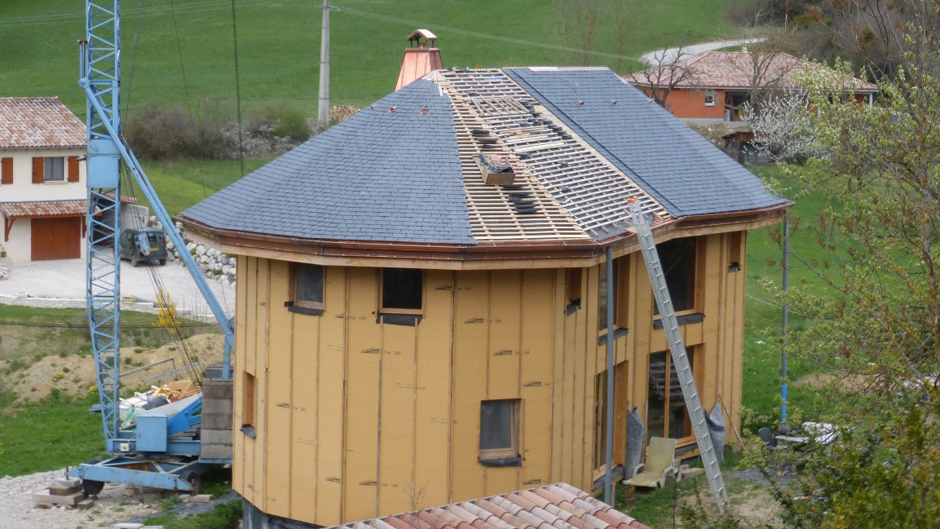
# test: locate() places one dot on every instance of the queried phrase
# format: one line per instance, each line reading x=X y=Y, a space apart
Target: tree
x=877 y=326
x=669 y=69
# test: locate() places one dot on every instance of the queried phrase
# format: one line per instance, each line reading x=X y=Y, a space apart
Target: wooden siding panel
x=305 y=350
x=364 y=355
x=537 y=359
x=241 y=316
x=330 y=403
x=397 y=419
x=261 y=379
x=471 y=338
x=559 y=346
x=251 y=346
x=433 y=393
x=278 y=469
x=505 y=296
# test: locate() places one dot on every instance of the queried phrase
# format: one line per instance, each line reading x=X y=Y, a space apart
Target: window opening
x=308 y=286
x=54 y=169
x=573 y=289
x=600 y=419
x=499 y=431
x=248 y=406
x=678 y=258
x=666 y=412
x=401 y=290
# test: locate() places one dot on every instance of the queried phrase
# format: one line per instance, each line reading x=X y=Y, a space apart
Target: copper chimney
x=421 y=58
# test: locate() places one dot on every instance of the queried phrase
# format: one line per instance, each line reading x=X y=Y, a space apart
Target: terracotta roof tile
x=558 y=506
x=736 y=70
x=416 y=522
x=38 y=122
x=47 y=208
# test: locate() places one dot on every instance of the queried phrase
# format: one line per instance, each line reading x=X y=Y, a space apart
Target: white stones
x=4 y=273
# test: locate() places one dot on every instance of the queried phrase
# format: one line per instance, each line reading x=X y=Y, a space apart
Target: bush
x=159 y=132
x=155 y=132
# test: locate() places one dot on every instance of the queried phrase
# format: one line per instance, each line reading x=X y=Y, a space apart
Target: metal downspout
x=608 y=478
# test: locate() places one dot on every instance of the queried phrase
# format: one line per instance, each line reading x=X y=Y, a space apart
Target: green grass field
x=279 y=44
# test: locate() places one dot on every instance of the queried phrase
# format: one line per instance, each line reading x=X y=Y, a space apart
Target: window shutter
x=73 y=168
x=38 y=176
x=6 y=171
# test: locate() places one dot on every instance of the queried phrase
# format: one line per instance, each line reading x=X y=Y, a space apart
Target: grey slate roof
x=680 y=169
x=378 y=176
x=396 y=176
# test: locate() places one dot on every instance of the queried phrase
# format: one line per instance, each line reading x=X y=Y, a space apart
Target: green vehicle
x=143 y=245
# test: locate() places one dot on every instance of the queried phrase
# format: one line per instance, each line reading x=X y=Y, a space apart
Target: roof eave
x=498 y=254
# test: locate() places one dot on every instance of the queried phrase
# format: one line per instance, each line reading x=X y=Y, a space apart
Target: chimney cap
x=416 y=36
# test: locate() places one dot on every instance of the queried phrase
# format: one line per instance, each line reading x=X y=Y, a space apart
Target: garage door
x=56 y=239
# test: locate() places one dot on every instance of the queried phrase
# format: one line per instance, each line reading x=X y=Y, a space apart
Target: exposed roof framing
x=578 y=181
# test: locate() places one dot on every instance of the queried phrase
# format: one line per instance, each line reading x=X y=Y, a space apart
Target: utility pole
x=786 y=318
x=323 y=109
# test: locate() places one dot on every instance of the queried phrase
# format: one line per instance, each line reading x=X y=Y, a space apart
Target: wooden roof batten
x=576 y=191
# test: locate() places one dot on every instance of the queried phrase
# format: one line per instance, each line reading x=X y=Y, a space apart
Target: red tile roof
x=558 y=506
x=38 y=122
x=46 y=208
x=736 y=70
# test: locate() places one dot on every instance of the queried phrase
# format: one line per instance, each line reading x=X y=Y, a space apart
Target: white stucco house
x=42 y=180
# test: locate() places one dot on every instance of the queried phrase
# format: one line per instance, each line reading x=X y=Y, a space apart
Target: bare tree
x=668 y=71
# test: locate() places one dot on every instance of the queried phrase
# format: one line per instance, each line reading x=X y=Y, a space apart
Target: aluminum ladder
x=679 y=358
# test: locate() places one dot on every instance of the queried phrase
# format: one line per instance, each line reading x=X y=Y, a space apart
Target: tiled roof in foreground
x=578 y=142
x=558 y=506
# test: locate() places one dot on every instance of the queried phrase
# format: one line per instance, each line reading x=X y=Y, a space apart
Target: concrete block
x=128 y=525
x=87 y=503
x=64 y=487
x=198 y=498
x=44 y=496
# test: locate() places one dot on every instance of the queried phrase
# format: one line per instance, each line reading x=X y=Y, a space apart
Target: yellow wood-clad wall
x=355 y=419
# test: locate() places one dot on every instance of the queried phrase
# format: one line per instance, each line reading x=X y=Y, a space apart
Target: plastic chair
x=660 y=462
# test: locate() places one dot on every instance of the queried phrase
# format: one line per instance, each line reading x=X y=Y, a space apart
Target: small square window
x=499 y=431
x=307 y=290
x=54 y=169
x=401 y=290
x=710 y=98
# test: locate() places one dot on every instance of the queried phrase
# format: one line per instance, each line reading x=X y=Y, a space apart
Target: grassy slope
x=763 y=314
x=279 y=43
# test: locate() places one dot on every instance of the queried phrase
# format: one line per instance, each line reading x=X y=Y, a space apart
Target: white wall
x=23 y=189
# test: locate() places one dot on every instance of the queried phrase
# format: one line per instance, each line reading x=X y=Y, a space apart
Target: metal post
x=323 y=110
x=786 y=317
x=608 y=477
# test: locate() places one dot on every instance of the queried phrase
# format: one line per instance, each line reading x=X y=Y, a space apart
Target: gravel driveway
x=62 y=284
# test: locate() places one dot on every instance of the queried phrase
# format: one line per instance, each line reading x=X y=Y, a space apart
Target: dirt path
x=669 y=55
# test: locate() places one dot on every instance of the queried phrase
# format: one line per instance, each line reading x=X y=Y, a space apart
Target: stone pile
x=213 y=263
x=4 y=273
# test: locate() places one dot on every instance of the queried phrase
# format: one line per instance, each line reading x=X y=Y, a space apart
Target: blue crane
x=157 y=453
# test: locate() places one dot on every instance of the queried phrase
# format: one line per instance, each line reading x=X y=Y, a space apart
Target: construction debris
x=170 y=395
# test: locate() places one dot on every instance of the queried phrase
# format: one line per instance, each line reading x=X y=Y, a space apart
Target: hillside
x=279 y=44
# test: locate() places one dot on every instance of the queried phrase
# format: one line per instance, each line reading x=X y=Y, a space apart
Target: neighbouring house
x=421 y=294
x=42 y=182
x=709 y=91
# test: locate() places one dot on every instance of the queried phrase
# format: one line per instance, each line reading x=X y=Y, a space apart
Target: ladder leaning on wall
x=679 y=357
